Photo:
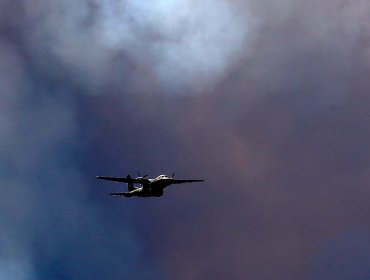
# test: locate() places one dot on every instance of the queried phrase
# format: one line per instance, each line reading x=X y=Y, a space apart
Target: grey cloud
x=178 y=44
x=49 y=227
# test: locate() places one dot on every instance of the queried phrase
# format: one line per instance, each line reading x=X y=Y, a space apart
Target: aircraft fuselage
x=154 y=187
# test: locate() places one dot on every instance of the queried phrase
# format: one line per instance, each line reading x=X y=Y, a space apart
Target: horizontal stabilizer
x=125 y=194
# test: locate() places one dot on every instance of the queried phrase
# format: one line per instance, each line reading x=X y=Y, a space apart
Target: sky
x=267 y=101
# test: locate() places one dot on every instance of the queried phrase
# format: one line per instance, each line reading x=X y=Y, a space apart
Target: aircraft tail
x=130 y=185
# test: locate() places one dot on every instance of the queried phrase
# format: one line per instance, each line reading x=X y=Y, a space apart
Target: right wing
x=122 y=179
x=174 y=181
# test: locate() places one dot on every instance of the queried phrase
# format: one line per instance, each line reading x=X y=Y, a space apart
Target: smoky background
x=268 y=102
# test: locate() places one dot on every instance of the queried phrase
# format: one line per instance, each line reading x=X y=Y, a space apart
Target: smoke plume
x=268 y=102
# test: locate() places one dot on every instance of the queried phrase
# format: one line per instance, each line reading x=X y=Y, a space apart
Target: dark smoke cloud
x=268 y=102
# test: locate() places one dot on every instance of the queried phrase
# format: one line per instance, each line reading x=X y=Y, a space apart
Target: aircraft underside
x=141 y=193
x=156 y=193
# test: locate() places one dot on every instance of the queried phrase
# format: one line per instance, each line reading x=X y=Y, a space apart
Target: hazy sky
x=267 y=101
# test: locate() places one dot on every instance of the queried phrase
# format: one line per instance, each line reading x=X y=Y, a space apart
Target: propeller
x=141 y=177
x=173 y=175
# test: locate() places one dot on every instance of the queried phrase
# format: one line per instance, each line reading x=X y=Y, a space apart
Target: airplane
x=148 y=187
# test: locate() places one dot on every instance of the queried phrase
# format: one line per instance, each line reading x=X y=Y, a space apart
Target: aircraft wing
x=184 y=181
x=122 y=179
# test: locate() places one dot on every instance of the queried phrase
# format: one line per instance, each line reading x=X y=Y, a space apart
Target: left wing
x=122 y=179
x=184 y=181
